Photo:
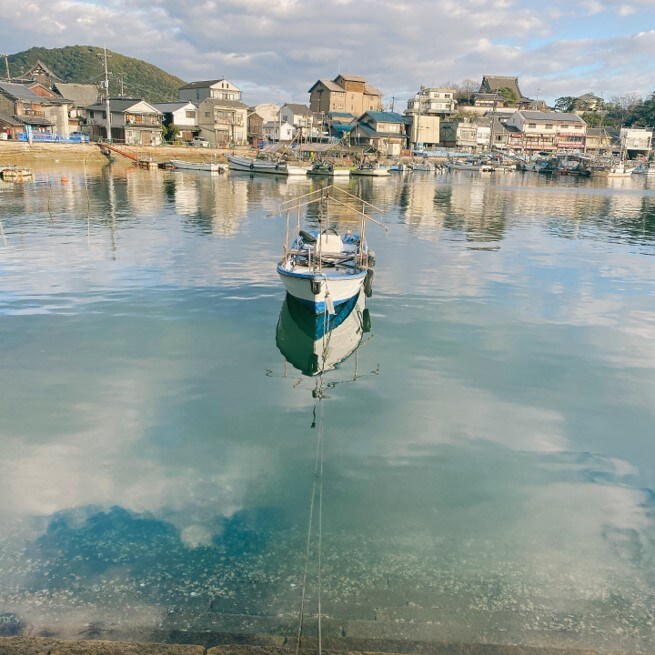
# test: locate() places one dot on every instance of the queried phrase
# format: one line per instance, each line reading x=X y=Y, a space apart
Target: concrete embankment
x=36 y=154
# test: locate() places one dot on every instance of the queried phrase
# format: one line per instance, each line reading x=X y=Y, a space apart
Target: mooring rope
x=317 y=489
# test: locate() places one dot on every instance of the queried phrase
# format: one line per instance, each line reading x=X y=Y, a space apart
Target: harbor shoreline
x=14 y=153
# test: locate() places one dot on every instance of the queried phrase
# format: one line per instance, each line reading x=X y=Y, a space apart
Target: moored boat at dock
x=211 y=166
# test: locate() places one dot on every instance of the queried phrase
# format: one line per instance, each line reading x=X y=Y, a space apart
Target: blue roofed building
x=386 y=131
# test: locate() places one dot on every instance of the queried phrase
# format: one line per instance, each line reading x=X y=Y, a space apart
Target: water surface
x=488 y=467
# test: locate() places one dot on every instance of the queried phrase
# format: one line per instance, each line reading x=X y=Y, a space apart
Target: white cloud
x=277 y=50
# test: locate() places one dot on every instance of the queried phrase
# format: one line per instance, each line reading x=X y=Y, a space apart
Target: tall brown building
x=346 y=93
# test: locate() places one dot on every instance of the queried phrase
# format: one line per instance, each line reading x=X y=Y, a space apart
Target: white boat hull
x=252 y=165
x=371 y=172
x=212 y=167
x=318 y=289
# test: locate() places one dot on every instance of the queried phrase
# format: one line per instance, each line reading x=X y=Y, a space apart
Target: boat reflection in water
x=314 y=343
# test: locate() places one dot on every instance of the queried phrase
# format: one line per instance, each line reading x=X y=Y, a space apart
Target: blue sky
x=276 y=49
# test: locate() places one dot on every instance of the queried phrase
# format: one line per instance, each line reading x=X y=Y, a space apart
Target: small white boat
x=212 y=166
x=470 y=165
x=372 y=170
x=420 y=166
x=329 y=169
x=324 y=268
x=254 y=165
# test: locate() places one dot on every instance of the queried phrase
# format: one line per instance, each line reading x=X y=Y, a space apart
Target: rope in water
x=317 y=490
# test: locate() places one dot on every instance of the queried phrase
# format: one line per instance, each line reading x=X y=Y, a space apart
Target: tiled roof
x=165 y=107
x=217 y=102
x=10 y=120
x=329 y=85
x=20 y=92
x=351 y=78
x=119 y=105
x=301 y=110
x=82 y=95
x=551 y=116
x=202 y=85
x=386 y=117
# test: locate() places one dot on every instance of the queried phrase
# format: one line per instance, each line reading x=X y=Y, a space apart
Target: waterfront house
x=460 y=135
x=133 y=121
x=598 y=142
x=636 y=141
x=268 y=111
x=221 y=89
x=382 y=130
x=223 y=122
x=301 y=117
x=41 y=112
x=276 y=131
x=346 y=93
x=181 y=116
x=424 y=113
x=79 y=97
x=10 y=126
x=549 y=131
x=255 y=128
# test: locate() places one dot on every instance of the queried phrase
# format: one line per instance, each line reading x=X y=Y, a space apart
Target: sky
x=275 y=50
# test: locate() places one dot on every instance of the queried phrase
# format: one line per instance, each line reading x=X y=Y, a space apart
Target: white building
x=300 y=116
x=424 y=113
x=636 y=140
x=548 y=130
x=269 y=112
x=221 y=89
x=183 y=115
x=274 y=131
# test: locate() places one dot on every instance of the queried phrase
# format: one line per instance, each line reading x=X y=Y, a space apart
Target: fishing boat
x=15 y=172
x=372 y=170
x=398 y=168
x=211 y=166
x=329 y=169
x=470 y=165
x=255 y=165
x=325 y=268
x=315 y=343
x=644 y=168
x=420 y=166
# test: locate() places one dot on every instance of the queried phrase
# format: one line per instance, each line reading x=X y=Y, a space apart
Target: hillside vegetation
x=85 y=65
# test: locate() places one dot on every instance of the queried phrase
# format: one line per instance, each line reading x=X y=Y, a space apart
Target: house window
x=565 y=127
x=549 y=127
x=532 y=126
x=190 y=114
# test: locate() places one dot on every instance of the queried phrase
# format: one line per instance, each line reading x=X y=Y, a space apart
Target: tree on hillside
x=594 y=119
x=643 y=114
x=565 y=104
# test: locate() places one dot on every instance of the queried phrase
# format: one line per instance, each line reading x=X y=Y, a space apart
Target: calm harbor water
x=488 y=459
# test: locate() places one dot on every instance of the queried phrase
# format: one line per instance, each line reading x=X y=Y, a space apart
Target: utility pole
x=107 y=103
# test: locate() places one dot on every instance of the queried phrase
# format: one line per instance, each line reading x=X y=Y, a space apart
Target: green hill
x=85 y=65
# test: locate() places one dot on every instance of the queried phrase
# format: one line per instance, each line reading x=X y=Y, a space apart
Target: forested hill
x=85 y=65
